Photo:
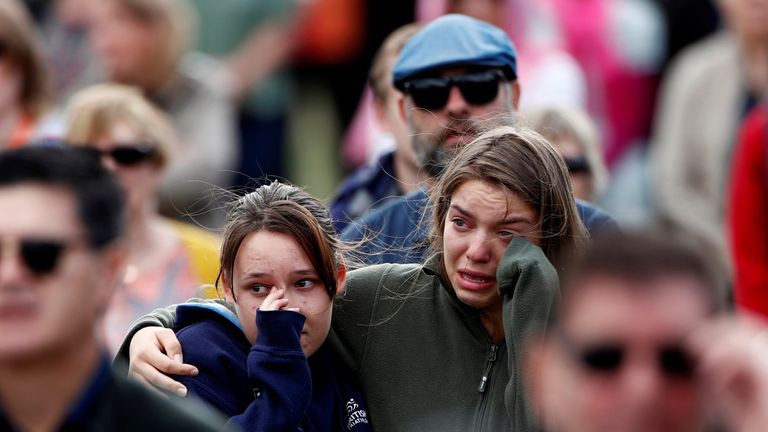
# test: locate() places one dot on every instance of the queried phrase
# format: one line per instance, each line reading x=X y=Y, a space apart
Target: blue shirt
x=398 y=232
x=369 y=187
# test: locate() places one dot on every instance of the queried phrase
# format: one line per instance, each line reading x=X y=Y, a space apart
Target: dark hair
x=643 y=256
x=522 y=162
x=286 y=209
x=100 y=199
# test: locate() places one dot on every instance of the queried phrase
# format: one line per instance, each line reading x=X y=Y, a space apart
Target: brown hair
x=94 y=111
x=20 y=44
x=286 y=209
x=644 y=256
x=522 y=162
x=380 y=76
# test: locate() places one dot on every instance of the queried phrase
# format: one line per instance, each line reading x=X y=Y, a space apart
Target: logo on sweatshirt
x=355 y=415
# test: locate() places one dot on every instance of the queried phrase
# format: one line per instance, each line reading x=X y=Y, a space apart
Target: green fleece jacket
x=423 y=357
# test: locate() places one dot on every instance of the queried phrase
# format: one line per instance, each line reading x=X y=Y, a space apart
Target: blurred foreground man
x=641 y=342
x=61 y=216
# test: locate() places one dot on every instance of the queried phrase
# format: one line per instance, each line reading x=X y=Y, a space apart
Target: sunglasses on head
x=672 y=360
x=40 y=256
x=477 y=88
x=127 y=154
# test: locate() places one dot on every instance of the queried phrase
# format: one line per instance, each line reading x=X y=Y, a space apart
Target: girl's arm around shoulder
x=164 y=317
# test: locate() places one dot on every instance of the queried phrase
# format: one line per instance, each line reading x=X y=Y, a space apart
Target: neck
x=493 y=324
x=755 y=54
x=409 y=176
x=37 y=394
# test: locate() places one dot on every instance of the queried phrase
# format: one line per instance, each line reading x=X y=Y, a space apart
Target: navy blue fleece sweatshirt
x=269 y=386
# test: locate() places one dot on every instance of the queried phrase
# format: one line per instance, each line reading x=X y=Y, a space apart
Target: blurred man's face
x=125 y=44
x=617 y=360
x=53 y=286
x=448 y=109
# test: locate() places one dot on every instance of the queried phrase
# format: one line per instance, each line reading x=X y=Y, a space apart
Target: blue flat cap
x=455 y=40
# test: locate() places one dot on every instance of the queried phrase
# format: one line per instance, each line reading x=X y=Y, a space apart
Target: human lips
x=16 y=310
x=475 y=281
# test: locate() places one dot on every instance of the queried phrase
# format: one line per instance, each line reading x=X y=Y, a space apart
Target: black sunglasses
x=40 y=256
x=127 y=154
x=577 y=165
x=477 y=88
x=673 y=360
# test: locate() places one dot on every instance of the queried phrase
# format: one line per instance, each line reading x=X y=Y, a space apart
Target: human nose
x=456 y=104
x=642 y=383
x=108 y=163
x=479 y=249
x=11 y=268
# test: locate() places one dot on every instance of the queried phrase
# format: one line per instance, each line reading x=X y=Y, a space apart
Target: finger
x=297 y=310
x=159 y=380
x=169 y=343
x=141 y=380
x=275 y=293
x=161 y=362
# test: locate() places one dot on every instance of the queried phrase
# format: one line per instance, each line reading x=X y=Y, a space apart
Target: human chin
x=476 y=295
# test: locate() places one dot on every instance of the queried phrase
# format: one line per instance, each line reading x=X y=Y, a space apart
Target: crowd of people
x=480 y=267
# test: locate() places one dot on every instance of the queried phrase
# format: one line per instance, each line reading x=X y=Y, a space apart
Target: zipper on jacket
x=488 y=366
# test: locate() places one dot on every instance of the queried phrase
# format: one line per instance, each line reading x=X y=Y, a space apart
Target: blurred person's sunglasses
x=477 y=88
x=577 y=165
x=608 y=358
x=40 y=255
x=127 y=154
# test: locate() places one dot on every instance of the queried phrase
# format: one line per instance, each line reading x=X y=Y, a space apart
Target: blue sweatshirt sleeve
x=279 y=373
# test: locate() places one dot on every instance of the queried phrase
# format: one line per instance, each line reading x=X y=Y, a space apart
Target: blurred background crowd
x=654 y=104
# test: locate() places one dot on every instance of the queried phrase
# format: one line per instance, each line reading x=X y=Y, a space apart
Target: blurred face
x=10 y=85
x=124 y=152
x=578 y=167
x=618 y=363
x=126 y=45
x=480 y=223
x=388 y=113
x=447 y=110
x=491 y=11
x=268 y=260
x=747 y=17
x=53 y=287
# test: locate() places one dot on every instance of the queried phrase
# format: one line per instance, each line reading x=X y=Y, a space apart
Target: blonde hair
x=22 y=47
x=94 y=111
x=561 y=123
x=380 y=77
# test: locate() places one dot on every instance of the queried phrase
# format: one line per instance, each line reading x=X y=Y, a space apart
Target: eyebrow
x=509 y=220
x=300 y=272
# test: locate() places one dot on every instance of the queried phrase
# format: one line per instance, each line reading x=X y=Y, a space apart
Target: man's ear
x=516 y=94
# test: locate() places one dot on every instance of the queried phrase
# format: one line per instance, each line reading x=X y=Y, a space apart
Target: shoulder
x=209 y=331
x=394 y=278
x=700 y=60
x=595 y=220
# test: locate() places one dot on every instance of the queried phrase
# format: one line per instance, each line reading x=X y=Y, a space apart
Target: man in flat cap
x=458 y=76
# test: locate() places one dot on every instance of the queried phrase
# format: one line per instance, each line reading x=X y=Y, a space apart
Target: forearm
x=278 y=373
